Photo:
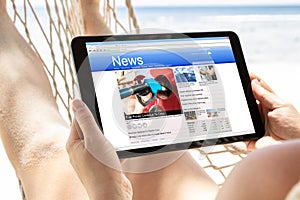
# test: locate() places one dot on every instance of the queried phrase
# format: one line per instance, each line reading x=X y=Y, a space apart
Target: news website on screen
x=159 y=92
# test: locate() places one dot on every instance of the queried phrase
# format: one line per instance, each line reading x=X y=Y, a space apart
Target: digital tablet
x=153 y=93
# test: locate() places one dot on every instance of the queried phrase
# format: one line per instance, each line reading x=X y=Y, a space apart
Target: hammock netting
x=49 y=29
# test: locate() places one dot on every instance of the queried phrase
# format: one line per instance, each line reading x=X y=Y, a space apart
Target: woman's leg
x=181 y=179
x=31 y=128
x=93 y=21
x=268 y=173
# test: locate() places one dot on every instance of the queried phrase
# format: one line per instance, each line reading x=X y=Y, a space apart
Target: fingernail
x=77 y=104
x=255 y=81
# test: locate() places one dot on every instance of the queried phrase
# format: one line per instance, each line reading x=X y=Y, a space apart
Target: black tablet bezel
x=88 y=95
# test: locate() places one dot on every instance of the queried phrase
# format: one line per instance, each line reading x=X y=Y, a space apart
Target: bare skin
x=273 y=110
x=31 y=128
x=281 y=119
x=183 y=179
x=93 y=21
x=268 y=173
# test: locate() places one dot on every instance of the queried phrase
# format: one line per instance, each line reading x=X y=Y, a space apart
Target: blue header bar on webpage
x=114 y=61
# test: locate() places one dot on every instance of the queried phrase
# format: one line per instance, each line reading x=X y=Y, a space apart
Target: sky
x=210 y=2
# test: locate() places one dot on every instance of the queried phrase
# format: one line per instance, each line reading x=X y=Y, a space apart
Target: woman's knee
x=267 y=173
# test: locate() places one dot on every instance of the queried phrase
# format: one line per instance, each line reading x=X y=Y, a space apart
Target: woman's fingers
x=265 y=97
x=261 y=82
x=94 y=141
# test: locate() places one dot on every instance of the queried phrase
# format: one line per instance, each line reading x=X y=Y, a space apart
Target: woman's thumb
x=94 y=141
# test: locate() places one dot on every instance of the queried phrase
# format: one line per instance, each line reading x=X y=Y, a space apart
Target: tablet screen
x=158 y=92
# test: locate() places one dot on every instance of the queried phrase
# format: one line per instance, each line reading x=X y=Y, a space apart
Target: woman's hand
x=281 y=119
x=94 y=159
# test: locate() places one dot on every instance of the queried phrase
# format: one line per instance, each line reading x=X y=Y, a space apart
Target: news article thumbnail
x=212 y=113
x=207 y=73
x=190 y=115
x=185 y=74
x=148 y=93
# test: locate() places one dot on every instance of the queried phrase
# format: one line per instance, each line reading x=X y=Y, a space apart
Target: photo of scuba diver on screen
x=148 y=93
